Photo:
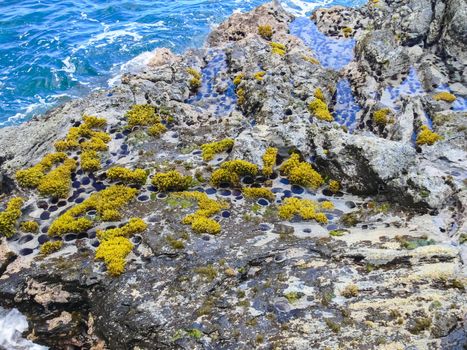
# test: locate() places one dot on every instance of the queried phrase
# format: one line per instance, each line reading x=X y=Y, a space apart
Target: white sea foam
x=132 y=66
x=303 y=7
x=12 y=325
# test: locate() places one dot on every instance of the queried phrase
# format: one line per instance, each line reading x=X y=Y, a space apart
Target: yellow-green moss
x=200 y=221
x=107 y=203
x=195 y=81
x=301 y=173
x=238 y=79
x=334 y=186
x=10 y=216
x=278 y=48
x=444 y=96
x=134 y=225
x=114 y=252
x=350 y=291
x=137 y=176
x=209 y=150
x=427 y=137
x=269 y=161
x=380 y=116
x=50 y=247
x=171 y=181
x=306 y=209
x=90 y=161
x=29 y=226
x=259 y=75
x=265 y=31
x=319 y=109
x=254 y=192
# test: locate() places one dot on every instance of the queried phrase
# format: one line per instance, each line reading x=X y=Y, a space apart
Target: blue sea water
x=54 y=50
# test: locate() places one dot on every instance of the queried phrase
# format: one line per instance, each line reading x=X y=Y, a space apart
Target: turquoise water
x=51 y=50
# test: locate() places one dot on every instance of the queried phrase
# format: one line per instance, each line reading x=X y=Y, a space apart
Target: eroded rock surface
x=385 y=267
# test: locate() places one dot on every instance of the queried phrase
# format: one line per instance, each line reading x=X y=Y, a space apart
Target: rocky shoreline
x=302 y=186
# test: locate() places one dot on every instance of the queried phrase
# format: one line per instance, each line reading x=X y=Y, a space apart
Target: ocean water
x=55 y=50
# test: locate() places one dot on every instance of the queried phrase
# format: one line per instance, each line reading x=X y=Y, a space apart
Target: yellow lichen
x=253 y=192
x=238 y=79
x=134 y=225
x=142 y=115
x=427 y=137
x=107 y=203
x=278 y=48
x=195 y=81
x=347 y=31
x=57 y=182
x=50 y=247
x=10 y=216
x=200 y=220
x=380 y=116
x=241 y=96
x=259 y=75
x=209 y=150
x=269 y=161
x=230 y=172
x=265 y=31
x=90 y=161
x=29 y=226
x=33 y=176
x=327 y=205
x=444 y=96
x=310 y=59
x=85 y=130
x=301 y=173
x=113 y=252
x=306 y=209
x=171 y=181
x=334 y=186
x=157 y=129
x=319 y=94
x=319 y=108
x=137 y=176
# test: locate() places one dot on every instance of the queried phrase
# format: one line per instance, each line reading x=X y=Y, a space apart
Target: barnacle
x=10 y=216
x=137 y=176
x=171 y=181
x=301 y=173
x=265 y=31
x=319 y=108
x=195 y=81
x=259 y=75
x=306 y=209
x=107 y=203
x=427 y=137
x=380 y=116
x=254 y=192
x=269 y=161
x=114 y=251
x=209 y=150
x=50 y=247
x=278 y=48
x=29 y=226
x=200 y=220
x=444 y=96
x=134 y=225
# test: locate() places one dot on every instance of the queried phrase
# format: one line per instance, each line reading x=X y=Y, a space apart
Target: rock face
x=383 y=267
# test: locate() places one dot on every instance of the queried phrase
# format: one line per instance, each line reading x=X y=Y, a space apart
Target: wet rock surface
x=385 y=267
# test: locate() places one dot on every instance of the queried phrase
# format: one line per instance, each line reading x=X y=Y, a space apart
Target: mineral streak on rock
x=313 y=233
